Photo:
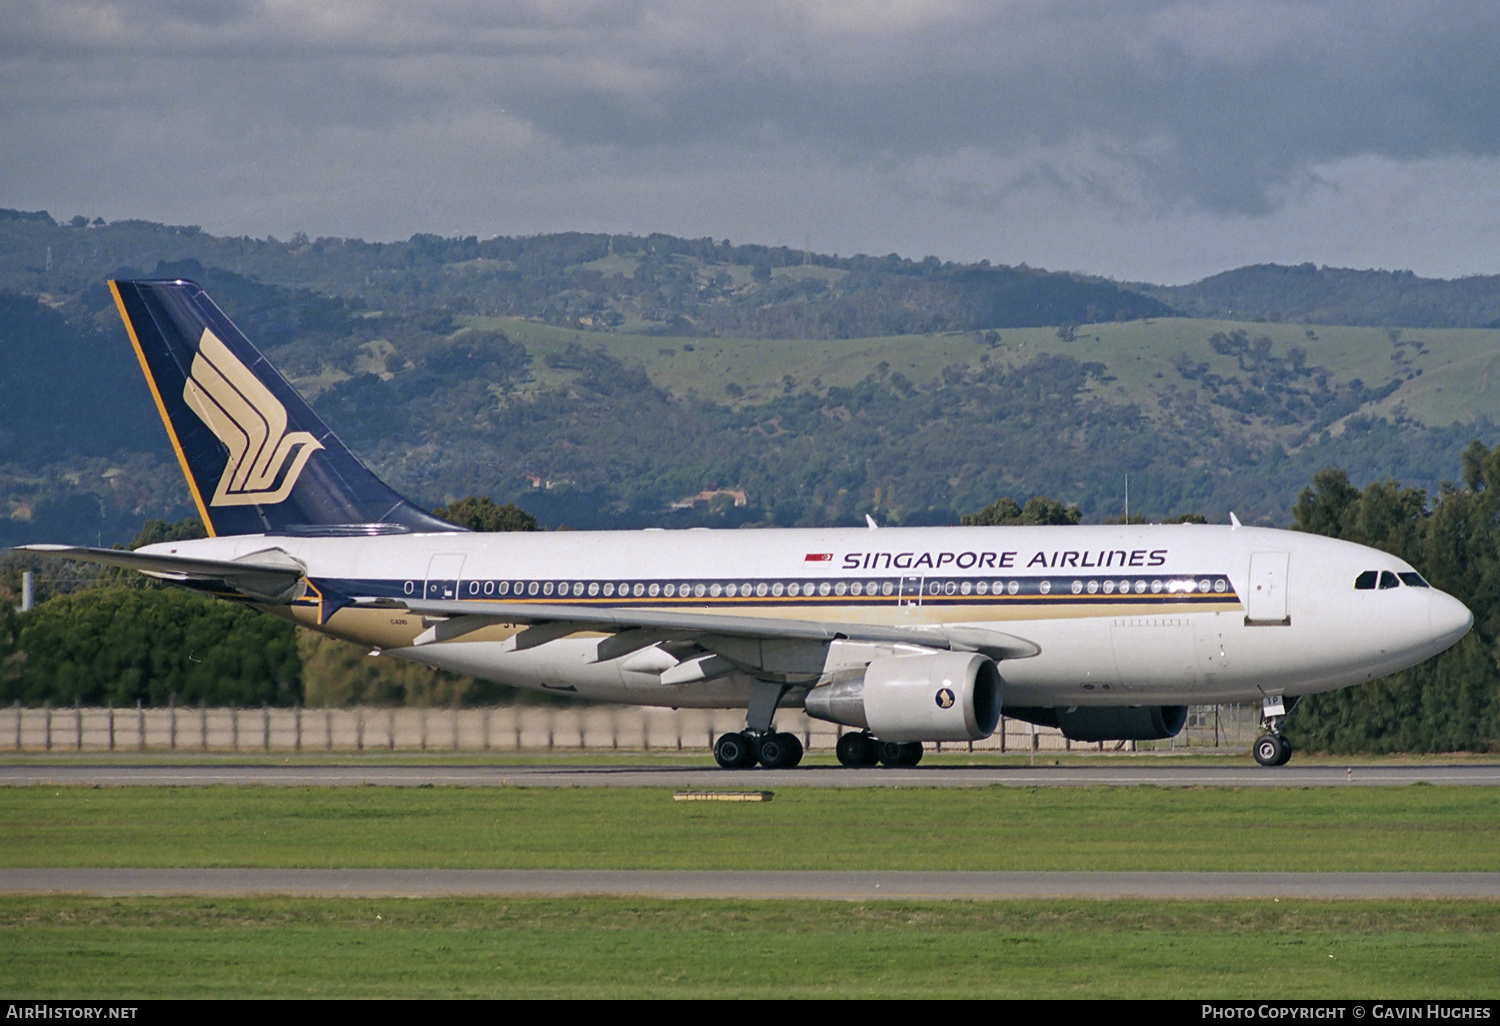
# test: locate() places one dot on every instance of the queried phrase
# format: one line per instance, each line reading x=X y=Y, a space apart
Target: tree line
x=1448 y=703
x=112 y=637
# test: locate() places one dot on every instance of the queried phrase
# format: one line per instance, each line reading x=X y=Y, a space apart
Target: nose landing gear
x=1271 y=749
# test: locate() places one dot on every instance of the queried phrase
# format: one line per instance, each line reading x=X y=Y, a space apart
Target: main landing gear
x=1271 y=749
x=758 y=742
x=862 y=750
x=772 y=750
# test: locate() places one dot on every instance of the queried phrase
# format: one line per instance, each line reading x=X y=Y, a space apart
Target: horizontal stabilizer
x=268 y=576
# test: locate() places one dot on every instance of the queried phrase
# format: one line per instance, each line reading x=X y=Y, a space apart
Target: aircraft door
x=911 y=591
x=1265 y=605
x=444 y=572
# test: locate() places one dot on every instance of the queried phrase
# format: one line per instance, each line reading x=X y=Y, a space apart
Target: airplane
x=903 y=635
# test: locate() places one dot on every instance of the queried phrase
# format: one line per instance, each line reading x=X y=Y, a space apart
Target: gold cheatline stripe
x=161 y=408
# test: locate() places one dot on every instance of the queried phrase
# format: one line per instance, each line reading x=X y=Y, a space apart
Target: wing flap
x=995 y=644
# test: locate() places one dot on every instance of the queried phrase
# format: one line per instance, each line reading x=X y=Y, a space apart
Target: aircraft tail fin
x=258 y=460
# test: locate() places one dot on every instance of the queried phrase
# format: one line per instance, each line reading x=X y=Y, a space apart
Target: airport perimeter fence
x=516 y=728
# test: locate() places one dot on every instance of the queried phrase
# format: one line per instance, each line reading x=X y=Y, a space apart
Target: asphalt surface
x=852 y=886
x=710 y=777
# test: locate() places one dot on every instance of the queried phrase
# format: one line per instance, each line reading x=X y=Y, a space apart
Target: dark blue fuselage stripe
x=1174 y=589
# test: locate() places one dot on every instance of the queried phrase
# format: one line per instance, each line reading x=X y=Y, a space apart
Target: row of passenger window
x=1372 y=579
x=824 y=589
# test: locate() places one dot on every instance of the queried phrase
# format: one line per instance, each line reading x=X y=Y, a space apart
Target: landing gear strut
x=1271 y=749
x=758 y=742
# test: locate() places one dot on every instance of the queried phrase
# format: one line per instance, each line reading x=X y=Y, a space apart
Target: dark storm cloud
x=1217 y=104
x=1140 y=110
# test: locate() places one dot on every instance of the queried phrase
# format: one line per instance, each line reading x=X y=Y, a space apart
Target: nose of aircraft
x=1448 y=618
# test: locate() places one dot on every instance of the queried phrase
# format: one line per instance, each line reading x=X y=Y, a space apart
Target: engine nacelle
x=946 y=696
x=1107 y=722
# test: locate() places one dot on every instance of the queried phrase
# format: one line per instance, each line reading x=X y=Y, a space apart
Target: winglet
x=871 y=521
x=1234 y=521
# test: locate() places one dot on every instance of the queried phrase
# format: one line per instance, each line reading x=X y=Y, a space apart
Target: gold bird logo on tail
x=251 y=422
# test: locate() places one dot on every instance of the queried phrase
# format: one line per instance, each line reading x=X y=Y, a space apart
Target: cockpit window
x=1383 y=579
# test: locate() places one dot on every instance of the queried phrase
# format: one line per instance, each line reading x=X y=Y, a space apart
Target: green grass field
x=988 y=828
x=264 y=947
x=622 y=948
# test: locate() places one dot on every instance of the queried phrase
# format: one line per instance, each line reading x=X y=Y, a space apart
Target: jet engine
x=1107 y=722
x=946 y=696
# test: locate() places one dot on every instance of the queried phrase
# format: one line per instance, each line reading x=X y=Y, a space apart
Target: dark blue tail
x=258 y=460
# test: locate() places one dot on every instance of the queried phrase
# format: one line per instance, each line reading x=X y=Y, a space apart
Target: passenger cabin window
x=1388 y=580
x=1413 y=580
x=1366 y=581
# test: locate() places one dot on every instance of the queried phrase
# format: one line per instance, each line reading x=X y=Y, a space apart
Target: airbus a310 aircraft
x=905 y=635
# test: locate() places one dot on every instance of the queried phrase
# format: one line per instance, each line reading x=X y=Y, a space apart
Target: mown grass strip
x=614 y=948
x=1417 y=828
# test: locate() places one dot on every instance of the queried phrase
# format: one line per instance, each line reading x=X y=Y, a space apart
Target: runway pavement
x=852 y=886
x=708 y=776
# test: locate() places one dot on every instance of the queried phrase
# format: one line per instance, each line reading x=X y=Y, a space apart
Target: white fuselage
x=1122 y=615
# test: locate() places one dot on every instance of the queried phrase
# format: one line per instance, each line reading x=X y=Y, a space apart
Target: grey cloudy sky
x=1148 y=140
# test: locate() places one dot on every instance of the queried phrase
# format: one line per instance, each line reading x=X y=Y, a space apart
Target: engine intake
x=946 y=696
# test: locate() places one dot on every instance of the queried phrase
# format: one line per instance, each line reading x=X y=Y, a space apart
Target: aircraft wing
x=551 y=620
x=270 y=575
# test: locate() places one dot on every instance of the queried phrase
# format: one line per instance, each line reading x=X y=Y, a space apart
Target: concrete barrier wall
x=498 y=729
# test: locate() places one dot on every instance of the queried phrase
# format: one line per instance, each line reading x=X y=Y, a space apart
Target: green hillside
x=1337 y=295
x=603 y=380
x=1453 y=383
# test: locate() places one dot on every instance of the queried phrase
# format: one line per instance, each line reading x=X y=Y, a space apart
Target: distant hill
x=1307 y=294
x=599 y=381
x=657 y=284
